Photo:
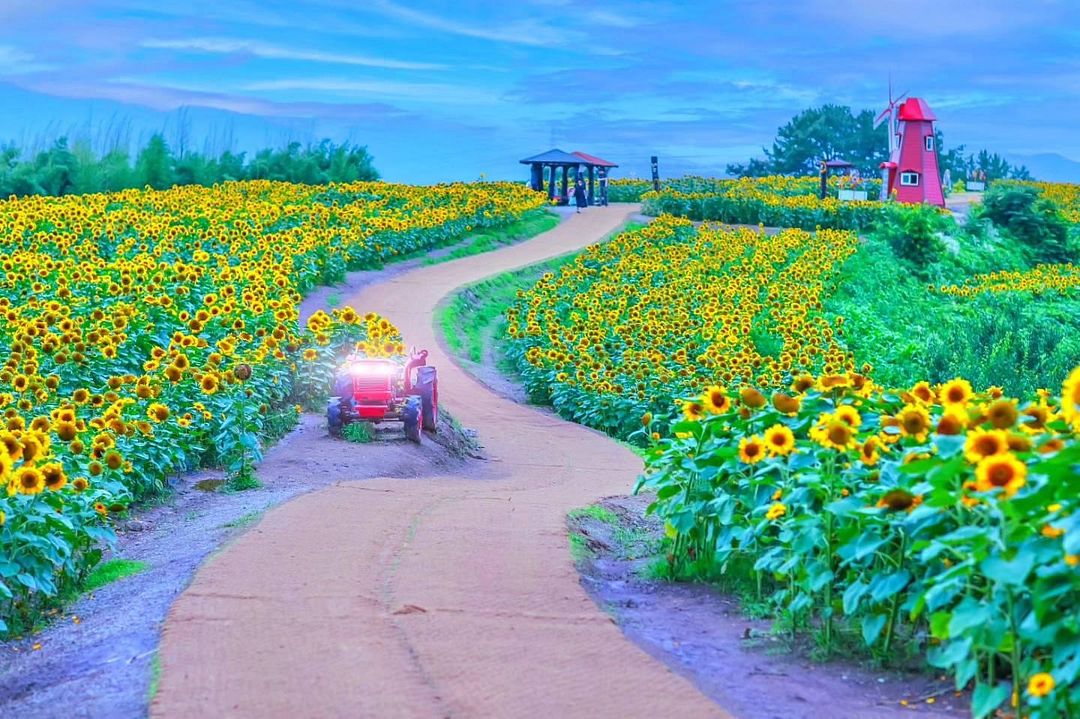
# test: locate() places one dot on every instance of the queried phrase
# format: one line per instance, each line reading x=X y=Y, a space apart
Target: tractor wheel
x=333 y=418
x=428 y=381
x=410 y=415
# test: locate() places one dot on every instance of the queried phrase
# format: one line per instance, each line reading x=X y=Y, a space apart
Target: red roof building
x=913 y=169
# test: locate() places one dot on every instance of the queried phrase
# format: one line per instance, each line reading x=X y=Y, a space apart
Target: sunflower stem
x=894 y=610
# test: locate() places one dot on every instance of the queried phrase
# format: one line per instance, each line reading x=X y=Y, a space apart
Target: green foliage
x=903 y=552
x=531 y=224
x=65 y=169
x=1033 y=220
x=111 y=571
x=914 y=233
x=358 y=432
x=909 y=332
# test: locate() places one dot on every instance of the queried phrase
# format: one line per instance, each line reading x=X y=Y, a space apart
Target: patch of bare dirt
x=98 y=660
x=740 y=663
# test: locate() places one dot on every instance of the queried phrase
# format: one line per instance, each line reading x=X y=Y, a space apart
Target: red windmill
x=912 y=169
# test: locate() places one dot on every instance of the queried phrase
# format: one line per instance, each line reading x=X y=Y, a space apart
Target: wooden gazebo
x=545 y=166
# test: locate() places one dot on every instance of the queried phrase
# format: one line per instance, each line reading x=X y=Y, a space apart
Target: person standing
x=579 y=192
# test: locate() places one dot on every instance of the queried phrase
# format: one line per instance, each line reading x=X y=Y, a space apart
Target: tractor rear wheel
x=411 y=417
x=428 y=381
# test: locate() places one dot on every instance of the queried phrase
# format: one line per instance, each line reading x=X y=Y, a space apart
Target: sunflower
x=1041 y=684
x=951 y=424
x=802 y=383
x=174 y=373
x=101 y=509
x=983 y=443
x=1070 y=398
x=1001 y=471
x=113 y=459
x=775 y=511
x=914 y=421
x=899 y=500
x=850 y=415
x=751 y=449
x=310 y=355
x=834 y=433
x=29 y=480
x=956 y=392
x=715 y=400
x=1002 y=413
x=779 y=440
x=922 y=392
x=66 y=430
x=869 y=451
x=209 y=384
x=81 y=484
x=786 y=404
x=158 y=412
x=55 y=479
x=692 y=410
x=752 y=398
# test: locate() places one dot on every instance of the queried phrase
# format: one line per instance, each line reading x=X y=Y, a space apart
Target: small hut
x=546 y=166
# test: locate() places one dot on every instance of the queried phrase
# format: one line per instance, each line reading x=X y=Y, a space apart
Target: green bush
x=914 y=234
x=1032 y=219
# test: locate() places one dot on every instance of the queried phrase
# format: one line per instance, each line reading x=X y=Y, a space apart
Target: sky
x=455 y=90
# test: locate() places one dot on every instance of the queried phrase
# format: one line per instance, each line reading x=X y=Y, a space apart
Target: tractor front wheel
x=334 y=423
x=411 y=417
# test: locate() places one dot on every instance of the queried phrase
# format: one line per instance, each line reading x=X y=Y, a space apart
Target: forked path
x=449 y=596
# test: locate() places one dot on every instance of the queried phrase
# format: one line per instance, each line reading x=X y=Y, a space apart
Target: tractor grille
x=370 y=384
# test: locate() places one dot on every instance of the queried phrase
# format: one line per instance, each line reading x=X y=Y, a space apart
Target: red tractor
x=379 y=390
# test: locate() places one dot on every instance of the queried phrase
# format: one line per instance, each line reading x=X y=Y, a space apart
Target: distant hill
x=1049 y=166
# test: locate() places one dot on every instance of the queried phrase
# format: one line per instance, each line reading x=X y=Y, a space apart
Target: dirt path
x=444 y=597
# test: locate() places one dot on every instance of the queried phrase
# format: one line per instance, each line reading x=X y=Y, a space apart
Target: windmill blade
x=881 y=118
x=897 y=100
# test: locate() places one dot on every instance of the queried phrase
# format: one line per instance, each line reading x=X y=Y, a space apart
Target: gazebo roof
x=594 y=160
x=554 y=157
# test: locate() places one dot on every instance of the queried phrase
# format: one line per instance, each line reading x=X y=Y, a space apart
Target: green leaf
x=1012 y=572
x=969 y=613
x=986 y=699
x=853 y=596
x=939 y=625
x=872 y=624
x=884 y=586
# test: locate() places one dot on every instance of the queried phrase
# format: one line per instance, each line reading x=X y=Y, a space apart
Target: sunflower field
x=809 y=437
x=148 y=332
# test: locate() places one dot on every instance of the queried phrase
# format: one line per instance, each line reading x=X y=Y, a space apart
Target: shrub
x=1030 y=218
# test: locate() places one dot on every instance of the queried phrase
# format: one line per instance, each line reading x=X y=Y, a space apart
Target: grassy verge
x=111 y=571
x=531 y=224
x=473 y=321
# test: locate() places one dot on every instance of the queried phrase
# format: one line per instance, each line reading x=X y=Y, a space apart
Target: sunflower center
x=1000 y=475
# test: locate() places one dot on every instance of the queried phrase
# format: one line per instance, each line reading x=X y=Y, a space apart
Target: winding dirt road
x=449 y=596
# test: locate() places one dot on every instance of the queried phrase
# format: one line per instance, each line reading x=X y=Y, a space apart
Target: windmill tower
x=912 y=169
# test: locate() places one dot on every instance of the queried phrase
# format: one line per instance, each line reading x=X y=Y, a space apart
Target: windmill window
x=929 y=143
x=909 y=179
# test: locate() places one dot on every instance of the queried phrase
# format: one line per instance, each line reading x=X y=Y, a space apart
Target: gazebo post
x=565 y=173
x=592 y=197
x=551 y=182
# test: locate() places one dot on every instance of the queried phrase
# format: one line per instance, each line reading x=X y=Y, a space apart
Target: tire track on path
x=449 y=596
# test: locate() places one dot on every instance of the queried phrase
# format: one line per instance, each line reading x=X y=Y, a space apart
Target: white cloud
x=14 y=61
x=369 y=89
x=228 y=46
x=528 y=32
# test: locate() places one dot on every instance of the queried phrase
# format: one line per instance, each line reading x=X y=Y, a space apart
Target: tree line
x=73 y=168
x=836 y=132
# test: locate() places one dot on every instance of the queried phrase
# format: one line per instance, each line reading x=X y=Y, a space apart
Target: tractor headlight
x=371 y=369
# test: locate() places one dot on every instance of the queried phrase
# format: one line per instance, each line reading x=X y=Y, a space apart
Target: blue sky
x=450 y=90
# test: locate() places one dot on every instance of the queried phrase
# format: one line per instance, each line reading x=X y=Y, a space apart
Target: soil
x=97 y=660
x=740 y=663
x=444 y=596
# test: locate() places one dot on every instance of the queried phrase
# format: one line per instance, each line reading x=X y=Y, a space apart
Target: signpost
x=655 y=174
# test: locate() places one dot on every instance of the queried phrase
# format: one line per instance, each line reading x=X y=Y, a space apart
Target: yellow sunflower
x=751 y=449
x=1001 y=471
x=779 y=440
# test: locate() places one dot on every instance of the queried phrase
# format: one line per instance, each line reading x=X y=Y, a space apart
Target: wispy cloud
x=523 y=32
x=14 y=61
x=167 y=98
x=417 y=91
x=232 y=46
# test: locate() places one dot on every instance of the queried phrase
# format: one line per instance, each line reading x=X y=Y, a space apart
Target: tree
x=154 y=165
